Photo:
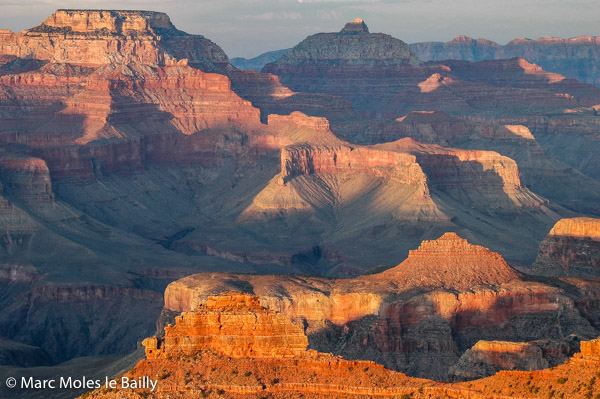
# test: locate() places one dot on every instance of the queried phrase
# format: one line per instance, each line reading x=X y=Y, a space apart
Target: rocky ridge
x=203 y=371
x=452 y=263
x=574 y=57
x=133 y=156
x=428 y=310
x=97 y=37
x=489 y=94
x=542 y=174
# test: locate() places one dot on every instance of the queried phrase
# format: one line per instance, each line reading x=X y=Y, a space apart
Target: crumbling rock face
x=25 y=177
x=470 y=176
x=305 y=160
x=571 y=249
x=590 y=349
x=122 y=118
x=113 y=21
x=233 y=324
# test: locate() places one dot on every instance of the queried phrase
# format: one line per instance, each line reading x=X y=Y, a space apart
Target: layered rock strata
x=572 y=248
x=452 y=263
x=353 y=46
x=203 y=371
x=233 y=324
x=131 y=160
x=427 y=311
x=97 y=37
x=558 y=111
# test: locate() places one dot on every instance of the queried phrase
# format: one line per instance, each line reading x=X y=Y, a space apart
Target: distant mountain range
x=575 y=58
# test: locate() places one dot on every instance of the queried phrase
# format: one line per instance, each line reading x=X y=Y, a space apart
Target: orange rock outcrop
x=188 y=371
x=233 y=324
x=591 y=349
x=418 y=317
x=577 y=227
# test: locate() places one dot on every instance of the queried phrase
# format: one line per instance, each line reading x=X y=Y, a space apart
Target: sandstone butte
x=571 y=249
x=233 y=324
x=195 y=359
x=422 y=315
x=353 y=46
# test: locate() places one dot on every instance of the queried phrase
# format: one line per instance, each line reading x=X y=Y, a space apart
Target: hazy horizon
x=249 y=28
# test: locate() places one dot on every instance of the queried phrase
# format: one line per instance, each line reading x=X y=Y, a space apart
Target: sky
x=246 y=28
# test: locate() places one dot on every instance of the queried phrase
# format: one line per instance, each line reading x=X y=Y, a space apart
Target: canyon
x=135 y=160
x=419 y=317
x=206 y=370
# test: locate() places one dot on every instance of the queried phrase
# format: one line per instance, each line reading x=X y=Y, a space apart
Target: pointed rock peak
x=448 y=241
x=452 y=236
x=355 y=27
x=451 y=262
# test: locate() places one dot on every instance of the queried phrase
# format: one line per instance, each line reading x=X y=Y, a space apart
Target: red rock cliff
x=233 y=324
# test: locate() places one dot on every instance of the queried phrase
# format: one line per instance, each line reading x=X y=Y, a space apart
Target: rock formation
x=574 y=378
x=452 y=263
x=486 y=358
x=590 y=349
x=234 y=325
x=540 y=172
x=134 y=154
x=97 y=37
x=557 y=110
x=354 y=46
x=572 y=248
x=186 y=370
x=426 y=311
x=406 y=180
